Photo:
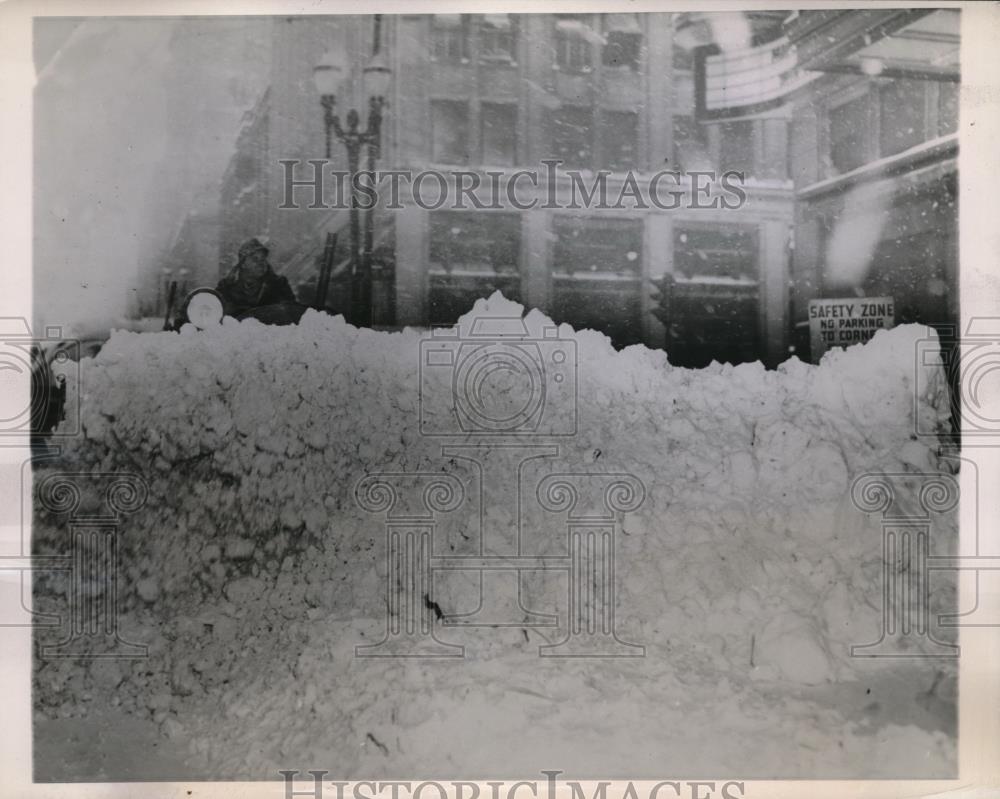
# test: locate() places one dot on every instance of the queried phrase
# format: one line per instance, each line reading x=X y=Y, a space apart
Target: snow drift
x=746 y=573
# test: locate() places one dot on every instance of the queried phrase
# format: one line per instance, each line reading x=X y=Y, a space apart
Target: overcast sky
x=134 y=122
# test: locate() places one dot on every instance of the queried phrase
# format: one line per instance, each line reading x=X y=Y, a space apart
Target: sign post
x=842 y=322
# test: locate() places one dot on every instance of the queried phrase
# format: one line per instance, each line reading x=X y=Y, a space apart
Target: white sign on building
x=842 y=322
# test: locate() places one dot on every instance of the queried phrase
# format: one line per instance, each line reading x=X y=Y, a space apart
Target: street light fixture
x=378 y=75
x=327 y=75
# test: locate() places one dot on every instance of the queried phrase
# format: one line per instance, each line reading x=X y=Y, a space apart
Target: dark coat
x=237 y=298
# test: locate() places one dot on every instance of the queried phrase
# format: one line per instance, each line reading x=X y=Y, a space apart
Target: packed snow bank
x=258 y=564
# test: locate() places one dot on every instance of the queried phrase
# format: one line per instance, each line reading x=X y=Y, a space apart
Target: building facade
x=503 y=92
x=629 y=95
x=874 y=159
x=597 y=92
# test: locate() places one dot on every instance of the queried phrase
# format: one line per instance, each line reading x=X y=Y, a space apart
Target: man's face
x=254 y=266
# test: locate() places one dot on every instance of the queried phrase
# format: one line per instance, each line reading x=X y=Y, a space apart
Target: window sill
x=716 y=280
x=497 y=61
x=592 y=277
x=437 y=271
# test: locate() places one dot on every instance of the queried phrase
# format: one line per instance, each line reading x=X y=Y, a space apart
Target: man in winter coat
x=253 y=283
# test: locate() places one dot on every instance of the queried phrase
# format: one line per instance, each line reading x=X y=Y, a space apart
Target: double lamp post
x=328 y=74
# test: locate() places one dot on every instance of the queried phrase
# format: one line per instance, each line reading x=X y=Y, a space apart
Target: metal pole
x=325 y=270
x=360 y=311
x=365 y=281
x=328 y=101
x=365 y=278
x=371 y=137
x=357 y=311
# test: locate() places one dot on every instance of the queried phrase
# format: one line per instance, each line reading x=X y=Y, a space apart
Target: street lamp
x=327 y=75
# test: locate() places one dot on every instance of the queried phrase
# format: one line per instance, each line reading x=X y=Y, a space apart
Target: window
x=449 y=132
x=592 y=244
x=690 y=146
x=621 y=133
x=683 y=58
x=775 y=133
x=499 y=130
x=450 y=38
x=475 y=242
x=901 y=125
x=597 y=276
x=622 y=50
x=947 y=121
x=622 y=41
x=710 y=306
x=571 y=135
x=498 y=38
x=573 y=138
x=684 y=41
x=472 y=255
x=716 y=251
x=573 y=37
x=736 y=146
x=849 y=130
x=916 y=252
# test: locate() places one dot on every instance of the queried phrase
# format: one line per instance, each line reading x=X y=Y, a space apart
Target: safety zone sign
x=842 y=322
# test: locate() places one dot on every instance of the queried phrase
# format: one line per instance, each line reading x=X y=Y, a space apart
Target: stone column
x=410 y=502
x=906 y=537
x=92 y=627
x=594 y=505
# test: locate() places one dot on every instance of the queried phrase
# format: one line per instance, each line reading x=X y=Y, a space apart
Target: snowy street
x=255 y=567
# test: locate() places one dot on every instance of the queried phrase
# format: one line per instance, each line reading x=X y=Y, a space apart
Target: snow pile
x=252 y=571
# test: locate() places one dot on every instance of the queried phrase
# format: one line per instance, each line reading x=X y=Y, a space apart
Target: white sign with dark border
x=847 y=321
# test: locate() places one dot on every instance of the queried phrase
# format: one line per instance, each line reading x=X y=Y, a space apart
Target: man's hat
x=249 y=247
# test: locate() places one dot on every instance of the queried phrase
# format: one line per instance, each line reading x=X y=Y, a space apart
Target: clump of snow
x=790 y=643
x=252 y=572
